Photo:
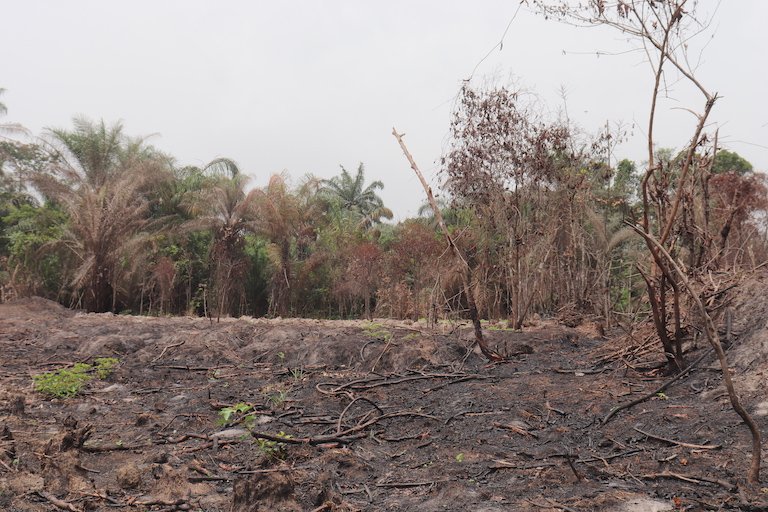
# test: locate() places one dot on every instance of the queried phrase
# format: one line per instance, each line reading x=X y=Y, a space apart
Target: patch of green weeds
x=377 y=330
x=273 y=449
x=68 y=382
x=297 y=374
x=410 y=336
x=103 y=366
x=500 y=326
x=277 y=400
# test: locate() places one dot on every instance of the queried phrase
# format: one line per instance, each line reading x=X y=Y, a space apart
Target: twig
x=456 y=381
x=342 y=437
x=165 y=349
x=691 y=479
x=569 y=460
x=112 y=448
x=551 y=504
x=403 y=485
x=661 y=388
x=381 y=354
x=63 y=505
x=516 y=429
x=209 y=478
x=341 y=416
x=680 y=443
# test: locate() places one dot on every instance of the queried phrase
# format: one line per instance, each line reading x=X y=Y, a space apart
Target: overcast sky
x=304 y=86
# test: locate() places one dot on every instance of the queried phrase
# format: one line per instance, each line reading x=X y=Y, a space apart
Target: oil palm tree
x=352 y=195
x=222 y=206
x=101 y=178
x=279 y=221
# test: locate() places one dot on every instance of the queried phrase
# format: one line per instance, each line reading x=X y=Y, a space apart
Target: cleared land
x=250 y=415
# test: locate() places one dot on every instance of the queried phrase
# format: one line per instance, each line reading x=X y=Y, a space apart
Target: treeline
x=99 y=220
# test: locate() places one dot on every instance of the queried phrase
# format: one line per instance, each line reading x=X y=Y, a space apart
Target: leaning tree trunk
x=489 y=353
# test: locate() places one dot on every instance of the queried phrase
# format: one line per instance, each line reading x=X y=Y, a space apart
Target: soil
x=348 y=415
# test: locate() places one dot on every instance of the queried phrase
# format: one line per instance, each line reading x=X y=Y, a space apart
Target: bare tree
x=672 y=190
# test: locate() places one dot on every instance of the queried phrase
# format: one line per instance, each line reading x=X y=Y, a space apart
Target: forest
x=539 y=228
x=99 y=220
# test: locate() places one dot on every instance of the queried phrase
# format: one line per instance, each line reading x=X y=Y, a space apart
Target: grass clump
x=68 y=382
x=377 y=330
x=103 y=366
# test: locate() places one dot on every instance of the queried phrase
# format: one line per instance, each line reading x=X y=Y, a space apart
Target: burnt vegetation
x=538 y=226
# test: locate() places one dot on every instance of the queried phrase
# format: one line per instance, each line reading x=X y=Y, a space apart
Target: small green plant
x=226 y=414
x=277 y=400
x=662 y=396
x=281 y=356
x=297 y=374
x=377 y=330
x=459 y=457
x=68 y=382
x=103 y=366
x=273 y=449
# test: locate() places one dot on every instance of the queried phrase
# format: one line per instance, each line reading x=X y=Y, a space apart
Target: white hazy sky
x=304 y=85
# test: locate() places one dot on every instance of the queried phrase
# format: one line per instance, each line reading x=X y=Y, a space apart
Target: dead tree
x=465 y=272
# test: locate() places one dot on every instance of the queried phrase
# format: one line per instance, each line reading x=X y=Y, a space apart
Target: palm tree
x=279 y=221
x=351 y=194
x=222 y=206
x=101 y=178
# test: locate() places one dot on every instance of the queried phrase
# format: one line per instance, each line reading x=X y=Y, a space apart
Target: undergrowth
x=68 y=382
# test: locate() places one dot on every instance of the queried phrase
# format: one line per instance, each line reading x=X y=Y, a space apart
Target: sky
x=305 y=86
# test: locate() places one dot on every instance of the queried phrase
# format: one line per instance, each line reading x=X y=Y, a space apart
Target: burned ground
x=345 y=415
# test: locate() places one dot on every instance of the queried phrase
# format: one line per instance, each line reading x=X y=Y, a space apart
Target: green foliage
x=68 y=382
x=297 y=374
x=29 y=231
x=273 y=449
x=104 y=366
x=227 y=414
x=377 y=330
x=352 y=195
x=730 y=161
x=277 y=399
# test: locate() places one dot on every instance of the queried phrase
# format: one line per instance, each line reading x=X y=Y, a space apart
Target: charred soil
x=294 y=415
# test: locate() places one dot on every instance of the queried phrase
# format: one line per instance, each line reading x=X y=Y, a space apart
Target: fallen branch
x=680 y=443
x=112 y=448
x=386 y=381
x=343 y=437
x=404 y=485
x=690 y=479
x=166 y=349
x=56 y=502
x=658 y=390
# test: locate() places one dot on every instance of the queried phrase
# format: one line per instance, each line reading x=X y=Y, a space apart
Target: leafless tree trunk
x=466 y=271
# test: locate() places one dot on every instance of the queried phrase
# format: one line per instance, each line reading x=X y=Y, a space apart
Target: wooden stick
x=661 y=388
x=56 y=502
x=689 y=478
x=491 y=355
x=680 y=443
